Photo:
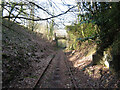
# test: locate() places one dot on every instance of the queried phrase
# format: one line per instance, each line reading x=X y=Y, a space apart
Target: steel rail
x=40 y=77
x=71 y=75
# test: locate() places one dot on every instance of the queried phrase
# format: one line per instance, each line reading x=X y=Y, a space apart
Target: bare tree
x=36 y=18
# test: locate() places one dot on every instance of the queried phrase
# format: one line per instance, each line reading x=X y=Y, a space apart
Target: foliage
x=107 y=18
x=116 y=45
x=101 y=19
x=81 y=30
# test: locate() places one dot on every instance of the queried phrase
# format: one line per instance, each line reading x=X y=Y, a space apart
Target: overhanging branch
x=41 y=19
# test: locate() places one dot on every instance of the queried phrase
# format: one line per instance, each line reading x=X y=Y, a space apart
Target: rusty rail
x=40 y=77
x=71 y=75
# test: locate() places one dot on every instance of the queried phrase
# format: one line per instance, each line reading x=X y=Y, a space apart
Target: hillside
x=26 y=55
x=22 y=51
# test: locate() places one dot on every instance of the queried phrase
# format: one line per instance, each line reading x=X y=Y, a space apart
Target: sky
x=56 y=7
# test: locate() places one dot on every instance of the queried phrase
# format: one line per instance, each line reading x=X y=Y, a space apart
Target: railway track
x=75 y=85
x=57 y=73
x=40 y=77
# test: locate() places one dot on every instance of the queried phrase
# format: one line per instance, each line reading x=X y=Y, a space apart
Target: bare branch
x=41 y=19
x=41 y=8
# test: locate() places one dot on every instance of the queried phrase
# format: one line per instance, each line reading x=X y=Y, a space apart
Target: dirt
x=26 y=54
x=85 y=75
x=57 y=75
x=89 y=76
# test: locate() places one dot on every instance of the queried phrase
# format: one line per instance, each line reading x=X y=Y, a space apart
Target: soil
x=89 y=76
x=26 y=54
x=57 y=76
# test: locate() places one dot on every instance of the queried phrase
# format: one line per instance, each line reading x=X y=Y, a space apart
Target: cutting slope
x=21 y=49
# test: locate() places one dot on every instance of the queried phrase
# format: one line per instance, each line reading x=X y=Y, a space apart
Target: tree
x=37 y=18
x=31 y=22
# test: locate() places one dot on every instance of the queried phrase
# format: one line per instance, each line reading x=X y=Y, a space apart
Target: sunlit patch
x=107 y=64
x=72 y=58
x=78 y=64
x=82 y=62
